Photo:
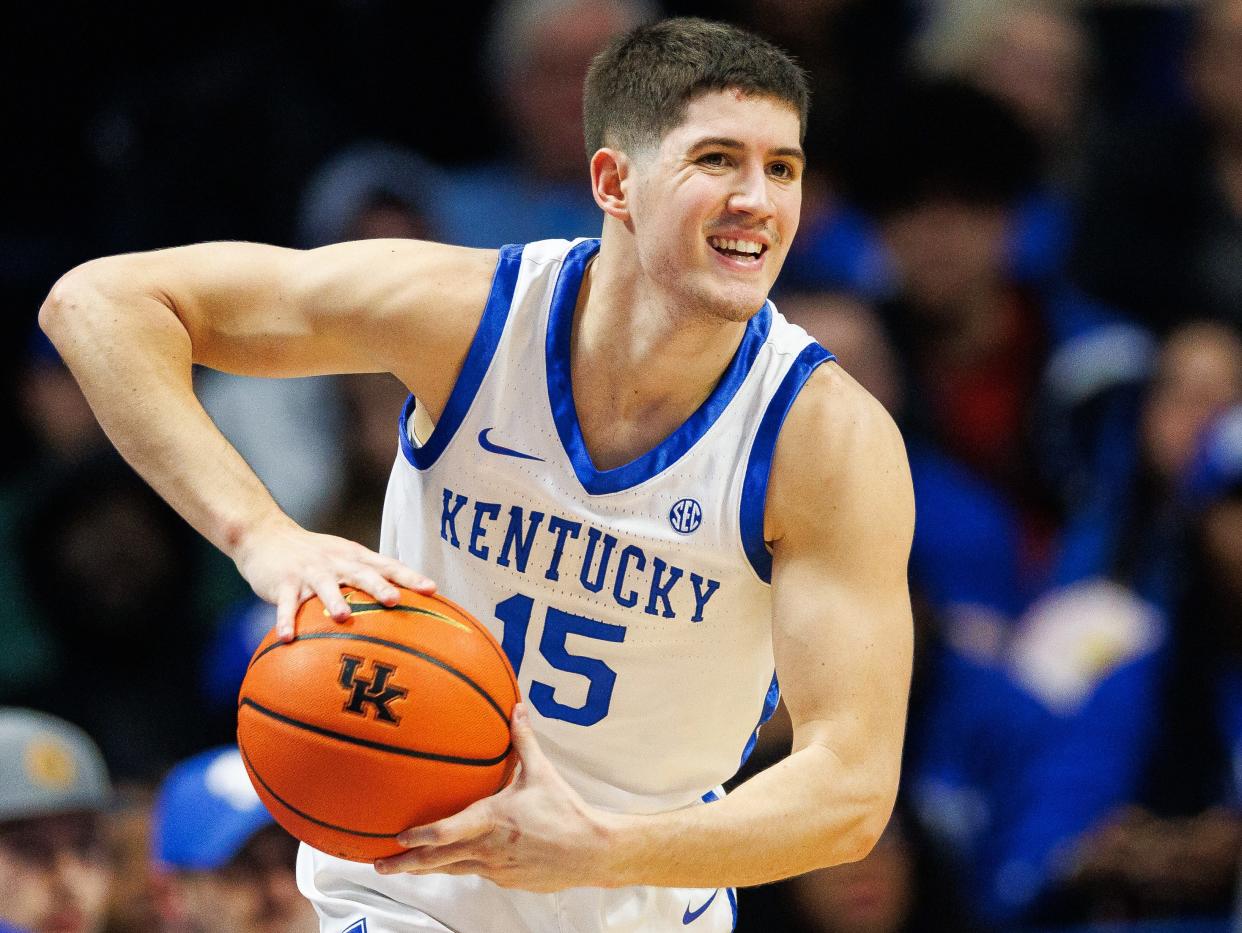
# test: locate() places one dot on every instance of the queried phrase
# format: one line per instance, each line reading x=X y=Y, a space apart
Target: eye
x=784 y=171
x=714 y=160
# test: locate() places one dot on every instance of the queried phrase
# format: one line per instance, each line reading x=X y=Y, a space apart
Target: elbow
x=863 y=836
x=851 y=839
x=64 y=303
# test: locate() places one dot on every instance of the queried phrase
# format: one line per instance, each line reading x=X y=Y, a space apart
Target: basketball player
x=652 y=488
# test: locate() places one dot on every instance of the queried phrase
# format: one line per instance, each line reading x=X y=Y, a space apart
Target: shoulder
x=838 y=450
x=392 y=268
x=407 y=301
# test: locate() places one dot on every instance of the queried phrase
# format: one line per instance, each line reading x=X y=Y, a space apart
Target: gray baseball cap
x=48 y=766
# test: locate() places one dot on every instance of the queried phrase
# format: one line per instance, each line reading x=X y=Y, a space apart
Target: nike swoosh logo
x=692 y=915
x=495 y=448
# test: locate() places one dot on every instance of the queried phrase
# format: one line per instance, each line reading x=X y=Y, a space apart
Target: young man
x=54 y=864
x=643 y=479
x=222 y=863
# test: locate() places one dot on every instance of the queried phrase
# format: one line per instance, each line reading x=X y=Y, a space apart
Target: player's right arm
x=130 y=328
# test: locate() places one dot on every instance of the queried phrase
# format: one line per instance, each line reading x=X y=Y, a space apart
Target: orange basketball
x=356 y=731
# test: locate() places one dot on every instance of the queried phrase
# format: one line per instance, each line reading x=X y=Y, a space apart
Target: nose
x=750 y=194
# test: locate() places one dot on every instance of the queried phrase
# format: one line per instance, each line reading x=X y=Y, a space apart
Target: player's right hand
x=286 y=565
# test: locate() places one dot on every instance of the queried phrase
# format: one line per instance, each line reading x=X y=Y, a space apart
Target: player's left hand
x=537 y=834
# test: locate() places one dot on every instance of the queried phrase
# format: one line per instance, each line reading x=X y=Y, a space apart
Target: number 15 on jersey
x=515 y=614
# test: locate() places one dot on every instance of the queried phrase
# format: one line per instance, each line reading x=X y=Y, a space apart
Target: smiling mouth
x=738 y=249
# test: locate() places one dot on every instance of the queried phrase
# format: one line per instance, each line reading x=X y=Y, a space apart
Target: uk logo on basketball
x=686 y=516
x=376 y=692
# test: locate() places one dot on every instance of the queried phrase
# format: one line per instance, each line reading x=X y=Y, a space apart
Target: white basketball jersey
x=633 y=603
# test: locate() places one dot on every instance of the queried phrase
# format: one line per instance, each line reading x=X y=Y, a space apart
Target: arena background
x=1023 y=232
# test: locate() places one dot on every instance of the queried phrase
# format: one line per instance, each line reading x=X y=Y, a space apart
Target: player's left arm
x=840 y=517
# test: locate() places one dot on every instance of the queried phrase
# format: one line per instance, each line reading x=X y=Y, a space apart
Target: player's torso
x=631 y=602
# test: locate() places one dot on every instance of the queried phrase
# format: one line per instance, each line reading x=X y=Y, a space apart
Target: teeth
x=737 y=246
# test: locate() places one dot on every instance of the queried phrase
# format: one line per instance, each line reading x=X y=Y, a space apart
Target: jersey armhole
x=759 y=463
x=478 y=358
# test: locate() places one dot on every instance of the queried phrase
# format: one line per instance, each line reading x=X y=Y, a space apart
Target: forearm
x=132 y=357
x=808 y=811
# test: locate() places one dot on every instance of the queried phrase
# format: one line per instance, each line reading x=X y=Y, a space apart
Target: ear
x=610 y=170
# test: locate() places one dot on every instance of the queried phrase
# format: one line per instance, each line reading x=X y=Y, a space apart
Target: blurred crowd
x=1021 y=230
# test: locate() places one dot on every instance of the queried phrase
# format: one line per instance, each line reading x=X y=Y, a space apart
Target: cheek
x=25 y=895
x=92 y=889
x=1223 y=537
x=789 y=207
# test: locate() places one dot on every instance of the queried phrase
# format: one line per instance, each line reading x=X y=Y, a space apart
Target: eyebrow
x=724 y=142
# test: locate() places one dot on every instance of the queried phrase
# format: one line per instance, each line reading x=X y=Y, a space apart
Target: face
x=56 y=411
x=384 y=220
x=1036 y=59
x=871 y=896
x=854 y=333
x=714 y=208
x=1217 y=68
x=1198 y=377
x=1222 y=542
x=54 y=874
x=947 y=253
x=545 y=97
x=256 y=891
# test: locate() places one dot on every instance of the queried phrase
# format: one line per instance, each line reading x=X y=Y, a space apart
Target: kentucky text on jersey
x=509 y=536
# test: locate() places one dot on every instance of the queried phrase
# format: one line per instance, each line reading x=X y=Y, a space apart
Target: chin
x=739 y=303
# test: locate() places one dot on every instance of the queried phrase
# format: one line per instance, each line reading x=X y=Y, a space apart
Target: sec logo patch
x=686 y=516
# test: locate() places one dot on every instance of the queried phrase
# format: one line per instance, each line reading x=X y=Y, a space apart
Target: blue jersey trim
x=759 y=465
x=479 y=357
x=561 y=395
x=769 y=707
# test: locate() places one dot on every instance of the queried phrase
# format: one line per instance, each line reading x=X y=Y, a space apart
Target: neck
x=637 y=340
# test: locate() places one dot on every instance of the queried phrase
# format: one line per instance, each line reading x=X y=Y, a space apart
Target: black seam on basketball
x=371 y=639
x=491 y=641
x=368 y=743
x=306 y=816
x=368 y=607
x=500 y=653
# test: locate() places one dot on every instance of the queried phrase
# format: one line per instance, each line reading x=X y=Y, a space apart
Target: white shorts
x=352 y=897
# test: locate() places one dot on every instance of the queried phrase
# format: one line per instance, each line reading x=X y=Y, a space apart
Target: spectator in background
x=118 y=580
x=944 y=174
x=61 y=432
x=1129 y=527
x=1035 y=55
x=1161 y=217
x=222 y=864
x=366 y=191
x=54 y=789
x=851 y=329
x=1171 y=845
x=1108 y=655
x=535 y=56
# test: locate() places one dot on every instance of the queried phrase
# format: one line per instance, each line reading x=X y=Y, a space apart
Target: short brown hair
x=639 y=87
